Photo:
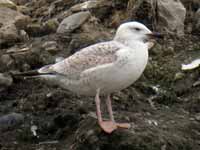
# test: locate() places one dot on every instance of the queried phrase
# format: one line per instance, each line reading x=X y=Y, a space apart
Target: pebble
x=58 y=59
x=10 y=121
x=197 y=117
x=51 y=47
x=5 y=80
x=179 y=76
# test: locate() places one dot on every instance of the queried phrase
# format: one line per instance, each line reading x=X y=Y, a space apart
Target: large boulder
x=11 y=24
x=8 y=4
x=163 y=15
x=72 y=22
x=171 y=16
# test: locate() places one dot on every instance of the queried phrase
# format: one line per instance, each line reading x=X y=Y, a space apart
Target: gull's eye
x=137 y=29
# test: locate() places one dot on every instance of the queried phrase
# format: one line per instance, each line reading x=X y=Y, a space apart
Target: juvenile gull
x=103 y=68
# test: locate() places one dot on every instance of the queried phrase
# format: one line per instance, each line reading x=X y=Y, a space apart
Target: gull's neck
x=129 y=42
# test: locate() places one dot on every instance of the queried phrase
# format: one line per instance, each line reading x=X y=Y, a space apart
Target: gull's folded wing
x=87 y=58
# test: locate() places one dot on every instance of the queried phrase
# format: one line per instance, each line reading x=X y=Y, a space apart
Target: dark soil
x=164 y=111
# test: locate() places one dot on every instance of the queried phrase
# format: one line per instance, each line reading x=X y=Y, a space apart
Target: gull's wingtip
x=24 y=74
x=42 y=71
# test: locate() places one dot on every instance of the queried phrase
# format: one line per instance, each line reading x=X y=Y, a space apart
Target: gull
x=103 y=68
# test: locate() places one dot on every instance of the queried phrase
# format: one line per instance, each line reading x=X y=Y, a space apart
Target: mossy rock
x=8 y=4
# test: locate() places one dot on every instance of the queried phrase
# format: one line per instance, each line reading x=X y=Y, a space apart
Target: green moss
x=51 y=25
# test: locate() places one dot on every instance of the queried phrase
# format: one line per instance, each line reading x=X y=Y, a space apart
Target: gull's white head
x=134 y=31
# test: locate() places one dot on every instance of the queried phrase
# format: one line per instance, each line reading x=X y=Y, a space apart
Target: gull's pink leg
x=107 y=126
x=109 y=106
x=98 y=107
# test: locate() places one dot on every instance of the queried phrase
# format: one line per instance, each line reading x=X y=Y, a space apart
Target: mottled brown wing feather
x=87 y=58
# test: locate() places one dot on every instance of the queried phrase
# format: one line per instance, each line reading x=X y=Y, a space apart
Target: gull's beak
x=154 y=35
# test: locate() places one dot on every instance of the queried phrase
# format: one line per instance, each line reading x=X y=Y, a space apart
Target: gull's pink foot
x=108 y=126
x=123 y=125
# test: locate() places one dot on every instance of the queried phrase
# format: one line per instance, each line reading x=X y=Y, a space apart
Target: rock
x=7 y=61
x=37 y=29
x=34 y=129
x=56 y=5
x=142 y=11
x=179 y=76
x=191 y=5
x=171 y=16
x=8 y=4
x=73 y=22
x=91 y=4
x=20 y=2
x=162 y=15
x=117 y=18
x=10 y=121
x=50 y=26
x=23 y=35
x=197 y=116
x=5 y=81
x=21 y=21
x=10 y=25
x=51 y=47
x=24 y=10
x=34 y=29
x=8 y=34
x=99 y=8
x=197 y=21
x=89 y=34
x=59 y=59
